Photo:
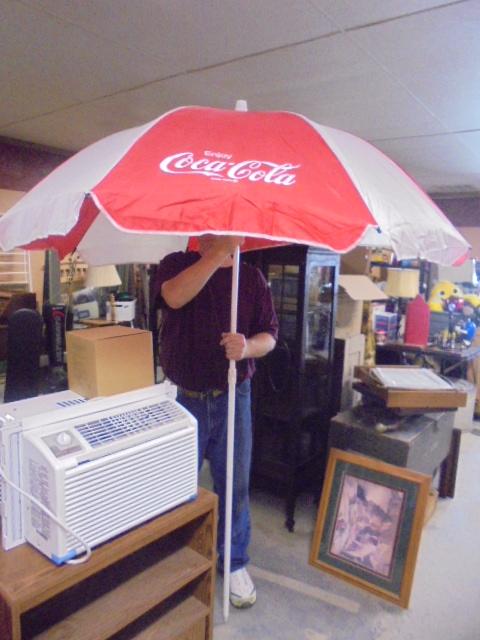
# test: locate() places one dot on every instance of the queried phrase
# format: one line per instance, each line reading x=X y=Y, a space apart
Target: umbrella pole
x=232 y=381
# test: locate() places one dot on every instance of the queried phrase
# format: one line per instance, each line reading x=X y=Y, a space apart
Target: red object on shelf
x=417 y=322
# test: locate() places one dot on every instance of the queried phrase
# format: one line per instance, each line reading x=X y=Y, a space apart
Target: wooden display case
x=292 y=386
x=156 y=581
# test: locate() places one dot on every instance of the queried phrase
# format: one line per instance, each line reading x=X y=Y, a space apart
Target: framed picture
x=369 y=523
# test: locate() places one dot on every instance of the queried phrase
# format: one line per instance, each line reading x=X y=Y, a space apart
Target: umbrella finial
x=241 y=105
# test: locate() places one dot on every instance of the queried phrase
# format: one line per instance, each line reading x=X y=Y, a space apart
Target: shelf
x=156 y=581
x=113 y=611
x=185 y=621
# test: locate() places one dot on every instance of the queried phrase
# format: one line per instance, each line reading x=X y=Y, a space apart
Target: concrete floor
x=299 y=602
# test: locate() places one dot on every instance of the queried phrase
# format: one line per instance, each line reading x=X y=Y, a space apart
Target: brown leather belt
x=201 y=395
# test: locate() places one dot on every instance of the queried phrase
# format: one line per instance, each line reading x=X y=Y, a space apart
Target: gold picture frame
x=369 y=524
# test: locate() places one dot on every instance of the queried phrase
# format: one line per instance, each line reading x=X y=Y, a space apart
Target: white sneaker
x=242 y=589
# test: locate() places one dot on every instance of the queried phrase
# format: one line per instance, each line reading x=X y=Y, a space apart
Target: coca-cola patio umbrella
x=270 y=176
x=265 y=175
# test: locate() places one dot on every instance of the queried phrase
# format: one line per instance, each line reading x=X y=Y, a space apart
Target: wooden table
x=155 y=581
x=96 y=322
x=449 y=359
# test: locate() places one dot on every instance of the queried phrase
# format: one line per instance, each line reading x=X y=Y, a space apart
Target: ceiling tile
x=351 y=14
x=60 y=64
x=191 y=34
x=333 y=85
x=399 y=73
x=436 y=57
x=438 y=162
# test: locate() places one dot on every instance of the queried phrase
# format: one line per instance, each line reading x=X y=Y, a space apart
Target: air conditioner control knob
x=64 y=439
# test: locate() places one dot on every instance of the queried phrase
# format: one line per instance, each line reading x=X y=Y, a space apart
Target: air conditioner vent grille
x=130 y=488
x=115 y=427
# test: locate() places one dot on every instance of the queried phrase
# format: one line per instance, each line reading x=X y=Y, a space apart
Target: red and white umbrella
x=273 y=177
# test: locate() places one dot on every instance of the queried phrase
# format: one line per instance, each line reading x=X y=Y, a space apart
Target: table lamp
x=402 y=284
x=104 y=278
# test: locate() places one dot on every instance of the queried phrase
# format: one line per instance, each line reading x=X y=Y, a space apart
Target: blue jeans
x=211 y=414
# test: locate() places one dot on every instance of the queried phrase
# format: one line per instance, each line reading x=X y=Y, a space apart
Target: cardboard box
x=353 y=290
x=355 y=261
x=107 y=360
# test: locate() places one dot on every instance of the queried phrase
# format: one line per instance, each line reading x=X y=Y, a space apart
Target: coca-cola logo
x=219 y=166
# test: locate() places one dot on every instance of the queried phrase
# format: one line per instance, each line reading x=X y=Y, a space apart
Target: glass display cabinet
x=292 y=386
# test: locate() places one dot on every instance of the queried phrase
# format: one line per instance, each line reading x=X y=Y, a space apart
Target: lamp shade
x=402 y=283
x=106 y=276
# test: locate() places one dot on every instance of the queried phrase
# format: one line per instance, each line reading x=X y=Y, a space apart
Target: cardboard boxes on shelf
x=108 y=360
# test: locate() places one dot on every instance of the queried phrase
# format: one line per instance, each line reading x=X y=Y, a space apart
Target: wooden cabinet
x=292 y=386
x=155 y=582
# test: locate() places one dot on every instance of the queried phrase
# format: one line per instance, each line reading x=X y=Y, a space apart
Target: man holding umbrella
x=194 y=293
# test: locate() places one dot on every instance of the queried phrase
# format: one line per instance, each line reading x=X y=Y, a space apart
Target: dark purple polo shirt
x=190 y=353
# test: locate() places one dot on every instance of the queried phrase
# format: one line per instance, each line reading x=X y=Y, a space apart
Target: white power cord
x=52 y=516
